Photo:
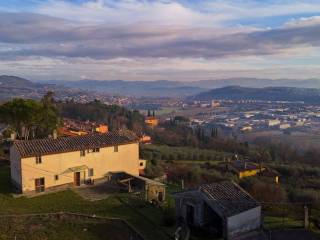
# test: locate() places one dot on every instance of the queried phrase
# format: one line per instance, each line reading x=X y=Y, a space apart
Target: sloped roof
x=241 y=166
x=227 y=198
x=30 y=148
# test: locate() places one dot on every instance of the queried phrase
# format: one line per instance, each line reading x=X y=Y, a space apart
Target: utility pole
x=306 y=217
x=182 y=184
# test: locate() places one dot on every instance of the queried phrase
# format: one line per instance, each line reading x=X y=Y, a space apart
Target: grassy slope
x=71 y=202
x=53 y=229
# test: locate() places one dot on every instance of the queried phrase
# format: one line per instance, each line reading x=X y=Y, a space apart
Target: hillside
x=164 y=88
x=13 y=87
x=265 y=94
x=257 y=83
x=159 y=88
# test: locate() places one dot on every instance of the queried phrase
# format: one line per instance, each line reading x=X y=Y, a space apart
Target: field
x=299 y=140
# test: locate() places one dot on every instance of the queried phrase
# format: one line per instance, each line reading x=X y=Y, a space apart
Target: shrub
x=169 y=218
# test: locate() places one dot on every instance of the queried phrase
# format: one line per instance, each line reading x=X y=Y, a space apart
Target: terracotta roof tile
x=29 y=148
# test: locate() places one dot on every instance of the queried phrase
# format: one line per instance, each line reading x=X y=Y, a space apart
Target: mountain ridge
x=167 y=88
x=291 y=94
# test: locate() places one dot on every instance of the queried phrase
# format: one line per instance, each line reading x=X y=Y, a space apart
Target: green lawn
x=168 y=110
x=69 y=201
x=279 y=222
x=49 y=228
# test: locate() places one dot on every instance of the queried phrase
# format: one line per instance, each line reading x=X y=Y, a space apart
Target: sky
x=183 y=40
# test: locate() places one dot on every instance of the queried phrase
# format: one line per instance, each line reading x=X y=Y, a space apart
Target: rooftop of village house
x=38 y=147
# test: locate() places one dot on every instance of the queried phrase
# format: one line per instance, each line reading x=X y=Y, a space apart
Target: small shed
x=223 y=207
x=153 y=191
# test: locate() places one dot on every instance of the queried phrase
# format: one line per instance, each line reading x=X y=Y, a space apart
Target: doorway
x=190 y=215
x=77 y=178
x=39 y=185
x=160 y=196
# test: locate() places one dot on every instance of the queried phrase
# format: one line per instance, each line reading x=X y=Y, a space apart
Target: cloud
x=303 y=22
x=168 y=12
x=125 y=12
x=147 y=39
x=52 y=37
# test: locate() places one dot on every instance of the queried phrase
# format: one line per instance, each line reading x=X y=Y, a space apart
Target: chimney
x=55 y=134
x=13 y=136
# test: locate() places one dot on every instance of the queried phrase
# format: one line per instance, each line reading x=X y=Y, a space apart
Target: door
x=39 y=185
x=160 y=196
x=77 y=178
x=190 y=215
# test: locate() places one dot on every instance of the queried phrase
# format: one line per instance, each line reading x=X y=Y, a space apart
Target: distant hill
x=13 y=87
x=16 y=82
x=307 y=95
x=161 y=88
x=257 y=83
x=164 y=88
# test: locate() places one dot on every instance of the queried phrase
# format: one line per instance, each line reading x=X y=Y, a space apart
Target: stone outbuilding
x=225 y=208
x=153 y=191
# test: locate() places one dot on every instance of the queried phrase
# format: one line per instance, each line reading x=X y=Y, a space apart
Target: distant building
x=77 y=128
x=224 y=207
x=102 y=128
x=70 y=132
x=284 y=126
x=246 y=129
x=244 y=168
x=38 y=165
x=152 y=121
x=215 y=104
x=145 y=139
x=273 y=122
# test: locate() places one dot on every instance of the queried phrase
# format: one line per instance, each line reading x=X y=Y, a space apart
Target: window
x=39 y=184
x=141 y=164
x=38 y=160
x=56 y=177
x=115 y=149
x=90 y=172
x=93 y=150
x=82 y=153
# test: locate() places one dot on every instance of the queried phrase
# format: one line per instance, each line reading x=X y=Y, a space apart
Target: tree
x=29 y=118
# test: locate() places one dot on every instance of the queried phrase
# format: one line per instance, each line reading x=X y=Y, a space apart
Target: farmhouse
x=244 y=168
x=38 y=165
x=223 y=207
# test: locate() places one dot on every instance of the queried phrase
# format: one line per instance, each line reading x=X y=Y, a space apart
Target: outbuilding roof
x=241 y=166
x=39 y=147
x=227 y=198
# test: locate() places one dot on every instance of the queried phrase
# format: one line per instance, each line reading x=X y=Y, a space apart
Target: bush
x=169 y=218
x=265 y=191
x=305 y=196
